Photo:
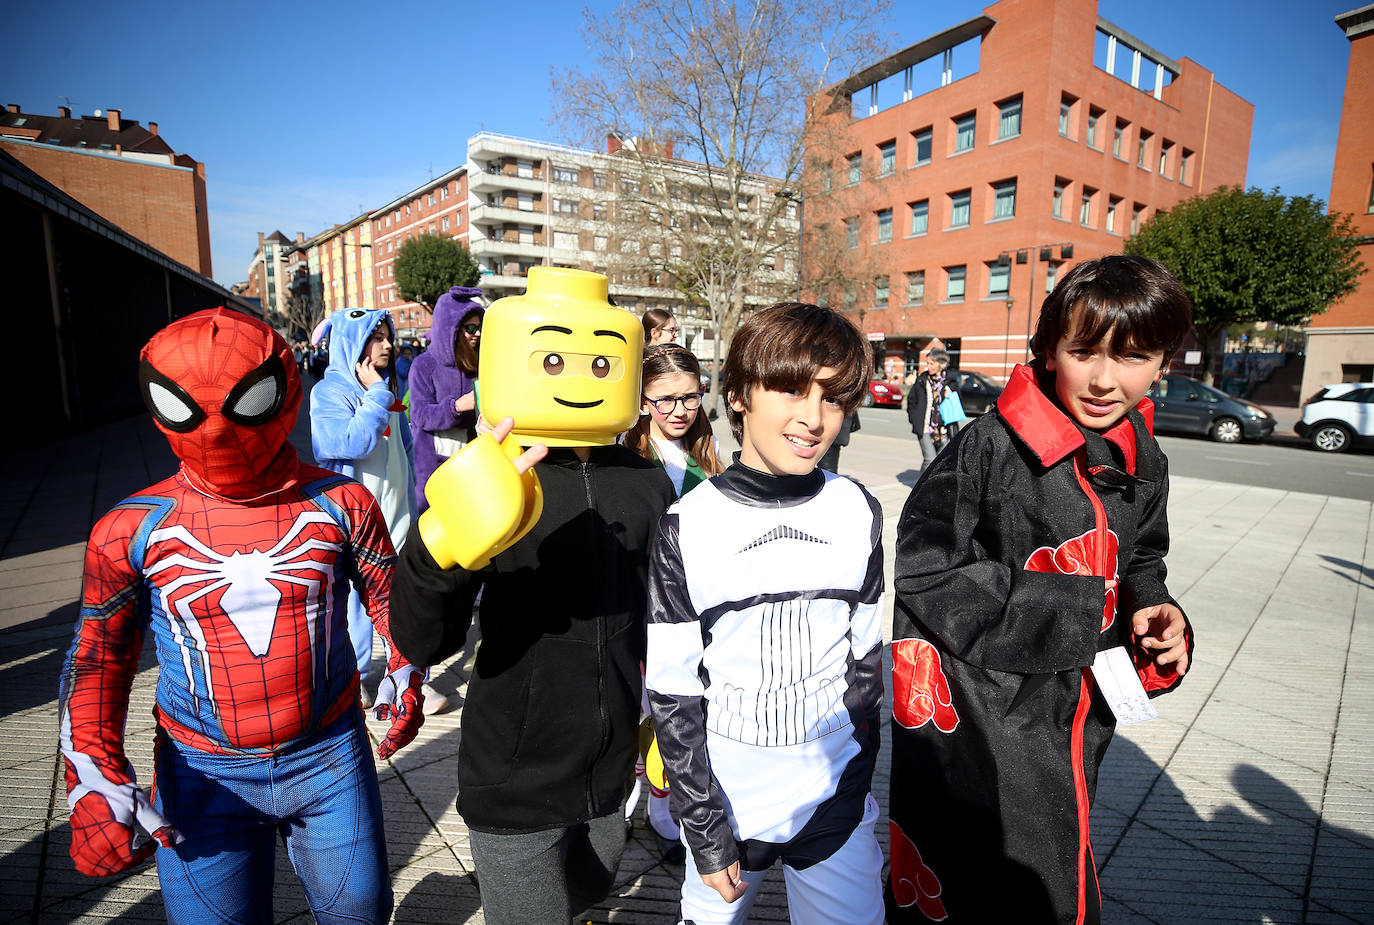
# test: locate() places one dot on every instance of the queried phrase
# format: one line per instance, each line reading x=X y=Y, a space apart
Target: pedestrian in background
x=660 y=327
x=923 y=405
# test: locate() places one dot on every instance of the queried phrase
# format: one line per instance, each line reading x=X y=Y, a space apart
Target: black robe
x=1003 y=551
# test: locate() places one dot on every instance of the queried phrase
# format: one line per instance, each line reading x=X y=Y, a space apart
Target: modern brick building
x=964 y=171
x=438 y=207
x=1340 y=343
x=124 y=172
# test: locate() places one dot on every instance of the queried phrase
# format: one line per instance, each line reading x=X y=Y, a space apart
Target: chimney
x=300 y=237
x=64 y=112
x=260 y=238
x=612 y=144
x=112 y=119
x=152 y=127
x=13 y=107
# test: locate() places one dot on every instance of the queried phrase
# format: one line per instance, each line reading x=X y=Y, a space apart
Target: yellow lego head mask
x=561 y=361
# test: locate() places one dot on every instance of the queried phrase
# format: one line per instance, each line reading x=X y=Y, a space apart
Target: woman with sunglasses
x=443 y=400
x=673 y=433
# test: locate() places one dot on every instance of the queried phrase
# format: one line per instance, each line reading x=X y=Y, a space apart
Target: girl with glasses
x=660 y=327
x=674 y=433
x=443 y=403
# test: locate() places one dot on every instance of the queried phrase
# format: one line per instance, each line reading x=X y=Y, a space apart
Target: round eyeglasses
x=666 y=405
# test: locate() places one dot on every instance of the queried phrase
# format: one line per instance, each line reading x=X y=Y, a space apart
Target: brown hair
x=463 y=354
x=668 y=360
x=1135 y=298
x=654 y=318
x=781 y=347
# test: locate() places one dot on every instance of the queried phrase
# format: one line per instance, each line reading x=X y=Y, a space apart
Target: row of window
x=996 y=275
x=1091 y=202
x=431 y=199
x=1158 y=156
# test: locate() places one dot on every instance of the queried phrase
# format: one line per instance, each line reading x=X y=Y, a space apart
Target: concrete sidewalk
x=1248 y=801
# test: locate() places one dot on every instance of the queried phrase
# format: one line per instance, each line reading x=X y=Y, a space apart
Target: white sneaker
x=435 y=702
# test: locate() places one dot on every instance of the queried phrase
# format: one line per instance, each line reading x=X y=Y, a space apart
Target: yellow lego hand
x=482 y=500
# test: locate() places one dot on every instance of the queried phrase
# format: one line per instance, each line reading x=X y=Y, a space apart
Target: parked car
x=1186 y=406
x=1339 y=417
x=977 y=393
x=881 y=392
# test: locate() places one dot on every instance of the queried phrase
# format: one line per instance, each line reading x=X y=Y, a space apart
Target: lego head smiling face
x=561 y=361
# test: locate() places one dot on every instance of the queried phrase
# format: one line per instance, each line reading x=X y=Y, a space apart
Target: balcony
x=482 y=180
x=484 y=214
x=485 y=247
x=490 y=281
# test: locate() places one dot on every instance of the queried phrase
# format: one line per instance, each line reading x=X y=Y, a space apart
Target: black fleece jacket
x=552 y=711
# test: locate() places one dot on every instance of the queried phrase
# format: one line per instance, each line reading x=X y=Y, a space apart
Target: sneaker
x=435 y=702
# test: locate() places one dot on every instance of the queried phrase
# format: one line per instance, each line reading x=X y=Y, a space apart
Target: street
x=1284 y=461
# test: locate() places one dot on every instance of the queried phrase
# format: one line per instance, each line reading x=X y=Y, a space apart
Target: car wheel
x=1331 y=438
x=867 y=400
x=1227 y=430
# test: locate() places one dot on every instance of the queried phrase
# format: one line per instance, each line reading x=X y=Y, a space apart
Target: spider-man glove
x=110 y=823
x=399 y=699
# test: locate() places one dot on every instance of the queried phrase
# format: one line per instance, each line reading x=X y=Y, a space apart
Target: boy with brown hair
x=765 y=638
x=1032 y=611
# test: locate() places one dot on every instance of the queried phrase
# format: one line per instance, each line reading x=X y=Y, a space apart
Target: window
x=565 y=206
x=964 y=128
x=443 y=194
x=524 y=168
x=1117 y=136
x=599 y=180
x=851 y=232
x=1085 y=207
x=920 y=216
x=599 y=211
x=525 y=202
x=458 y=218
x=825 y=182
x=565 y=175
x=954 y=283
x=1111 y=213
x=856 y=167
x=1051 y=277
x=1165 y=148
x=1185 y=158
x=1066 y=114
x=629 y=186
x=1060 y=187
x=1141 y=145
x=999 y=278
x=444 y=224
x=921 y=153
x=1371 y=198
x=881 y=296
x=959 y=208
x=565 y=240
x=916 y=287
x=850 y=297
x=1137 y=212
x=1009 y=121
x=887 y=158
x=1004 y=199
x=599 y=242
x=884 y=226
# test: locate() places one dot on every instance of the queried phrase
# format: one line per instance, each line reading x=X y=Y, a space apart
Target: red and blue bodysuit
x=240 y=564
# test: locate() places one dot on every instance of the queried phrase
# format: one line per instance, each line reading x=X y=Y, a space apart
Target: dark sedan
x=1186 y=406
x=977 y=393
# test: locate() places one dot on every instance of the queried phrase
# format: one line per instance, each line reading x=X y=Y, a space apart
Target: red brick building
x=440 y=208
x=124 y=172
x=957 y=176
x=1340 y=343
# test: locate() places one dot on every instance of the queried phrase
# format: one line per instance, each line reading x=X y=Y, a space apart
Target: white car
x=1339 y=417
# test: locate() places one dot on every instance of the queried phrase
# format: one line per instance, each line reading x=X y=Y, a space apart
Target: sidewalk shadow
x=1263 y=848
x=908 y=477
x=1359 y=571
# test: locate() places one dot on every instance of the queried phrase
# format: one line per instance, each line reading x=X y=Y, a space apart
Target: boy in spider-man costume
x=240 y=564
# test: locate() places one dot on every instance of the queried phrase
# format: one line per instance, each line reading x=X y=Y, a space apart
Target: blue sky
x=306 y=114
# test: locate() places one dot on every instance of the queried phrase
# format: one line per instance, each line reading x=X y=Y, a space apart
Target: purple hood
x=448 y=312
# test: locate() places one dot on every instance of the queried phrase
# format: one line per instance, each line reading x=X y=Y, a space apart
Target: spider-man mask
x=225 y=390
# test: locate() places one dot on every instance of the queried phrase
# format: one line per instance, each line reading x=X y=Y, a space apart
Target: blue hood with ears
x=349 y=329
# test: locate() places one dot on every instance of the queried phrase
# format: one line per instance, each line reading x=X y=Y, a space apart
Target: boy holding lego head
x=765 y=638
x=1032 y=610
x=560 y=551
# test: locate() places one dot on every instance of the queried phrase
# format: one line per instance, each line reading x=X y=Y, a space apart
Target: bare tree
x=711 y=104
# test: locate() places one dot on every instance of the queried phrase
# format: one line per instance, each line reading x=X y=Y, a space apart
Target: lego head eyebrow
x=552 y=327
x=610 y=334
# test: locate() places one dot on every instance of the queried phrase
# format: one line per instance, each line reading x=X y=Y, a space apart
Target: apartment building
x=1340 y=343
x=122 y=171
x=539 y=204
x=268 y=279
x=963 y=172
x=439 y=207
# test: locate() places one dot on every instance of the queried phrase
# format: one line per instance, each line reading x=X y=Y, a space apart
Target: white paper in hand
x=1116 y=678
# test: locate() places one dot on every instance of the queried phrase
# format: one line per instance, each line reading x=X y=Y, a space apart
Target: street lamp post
x=1027 y=254
x=792 y=195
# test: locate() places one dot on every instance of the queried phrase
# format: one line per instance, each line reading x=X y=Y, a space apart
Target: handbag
x=952 y=409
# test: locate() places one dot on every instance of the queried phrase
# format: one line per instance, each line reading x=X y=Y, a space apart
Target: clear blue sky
x=306 y=114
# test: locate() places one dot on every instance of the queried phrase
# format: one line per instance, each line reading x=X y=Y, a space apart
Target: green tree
x=429 y=265
x=1246 y=256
